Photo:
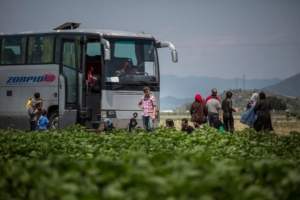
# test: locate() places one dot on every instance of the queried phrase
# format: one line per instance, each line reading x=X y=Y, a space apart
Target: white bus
x=83 y=76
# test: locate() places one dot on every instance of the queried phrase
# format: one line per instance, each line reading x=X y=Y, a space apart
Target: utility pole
x=244 y=82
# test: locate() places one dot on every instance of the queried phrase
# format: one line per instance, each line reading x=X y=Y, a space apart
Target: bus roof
x=96 y=31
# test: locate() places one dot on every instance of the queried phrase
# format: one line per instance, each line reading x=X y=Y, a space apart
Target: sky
x=214 y=38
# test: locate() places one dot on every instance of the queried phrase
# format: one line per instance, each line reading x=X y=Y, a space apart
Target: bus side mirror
x=107 y=54
x=106 y=49
x=174 y=56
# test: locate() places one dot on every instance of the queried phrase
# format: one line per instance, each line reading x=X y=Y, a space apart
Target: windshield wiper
x=146 y=83
x=127 y=83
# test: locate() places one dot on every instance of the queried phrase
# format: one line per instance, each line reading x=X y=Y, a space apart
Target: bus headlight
x=111 y=114
x=103 y=114
x=108 y=114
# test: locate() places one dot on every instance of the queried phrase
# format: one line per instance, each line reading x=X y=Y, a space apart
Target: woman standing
x=198 y=110
x=249 y=116
x=264 y=116
x=254 y=98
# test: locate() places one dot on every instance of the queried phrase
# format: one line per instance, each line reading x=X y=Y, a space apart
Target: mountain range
x=176 y=91
x=188 y=87
x=289 y=87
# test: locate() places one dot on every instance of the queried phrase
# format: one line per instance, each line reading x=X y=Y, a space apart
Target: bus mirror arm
x=106 y=49
x=171 y=46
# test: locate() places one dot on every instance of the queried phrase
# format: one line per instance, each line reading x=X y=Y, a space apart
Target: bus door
x=68 y=83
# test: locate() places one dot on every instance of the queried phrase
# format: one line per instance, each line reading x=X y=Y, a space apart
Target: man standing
x=32 y=112
x=185 y=126
x=39 y=104
x=148 y=105
x=213 y=91
x=214 y=108
x=227 y=113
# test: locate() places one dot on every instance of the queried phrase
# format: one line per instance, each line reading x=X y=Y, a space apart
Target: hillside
x=241 y=97
x=188 y=87
x=289 y=86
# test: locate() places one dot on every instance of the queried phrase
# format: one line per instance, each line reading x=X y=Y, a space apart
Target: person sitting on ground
x=132 y=125
x=186 y=127
x=108 y=125
x=170 y=123
x=218 y=125
x=198 y=123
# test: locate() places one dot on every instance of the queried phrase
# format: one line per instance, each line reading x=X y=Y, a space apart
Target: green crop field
x=168 y=164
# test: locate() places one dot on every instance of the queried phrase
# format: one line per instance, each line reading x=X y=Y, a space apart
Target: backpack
x=28 y=103
x=39 y=103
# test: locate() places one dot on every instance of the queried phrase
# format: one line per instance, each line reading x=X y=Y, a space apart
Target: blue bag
x=249 y=117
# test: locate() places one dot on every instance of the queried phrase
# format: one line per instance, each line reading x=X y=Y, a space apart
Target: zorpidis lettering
x=23 y=80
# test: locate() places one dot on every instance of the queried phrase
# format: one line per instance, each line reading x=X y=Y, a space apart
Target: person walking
x=254 y=98
x=198 y=110
x=32 y=111
x=227 y=113
x=264 y=116
x=148 y=105
x=214 y=109
x=186 y=127
x=213 y=91
x=249 y=116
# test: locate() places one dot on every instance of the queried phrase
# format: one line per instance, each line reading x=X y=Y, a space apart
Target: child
x=197 y=123
x=43 y=120
x=170 y=123
x=132 y=125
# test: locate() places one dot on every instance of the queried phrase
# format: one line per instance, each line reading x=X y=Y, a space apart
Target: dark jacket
x=189 y=129
x=264 y=107
x=227 y=107
x=32 y=111
x=198 y=109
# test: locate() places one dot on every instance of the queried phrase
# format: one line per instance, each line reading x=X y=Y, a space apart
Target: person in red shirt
x=214 y=90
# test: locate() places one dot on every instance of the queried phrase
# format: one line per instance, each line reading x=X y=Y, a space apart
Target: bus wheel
x=53 y=120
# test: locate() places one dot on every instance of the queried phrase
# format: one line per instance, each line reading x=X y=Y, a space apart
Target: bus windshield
x=132 y=60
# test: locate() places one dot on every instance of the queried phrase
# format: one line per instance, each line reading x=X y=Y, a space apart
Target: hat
x=108 y=121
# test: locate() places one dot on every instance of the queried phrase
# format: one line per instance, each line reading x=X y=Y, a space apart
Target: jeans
x=228 y=123
x=33 y=126
x=148 y=123
x=207 y=120
x=212 y=117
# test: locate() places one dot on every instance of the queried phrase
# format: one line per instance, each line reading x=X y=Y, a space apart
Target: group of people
x=211 y=112
x=256 y=116
x=37 y=115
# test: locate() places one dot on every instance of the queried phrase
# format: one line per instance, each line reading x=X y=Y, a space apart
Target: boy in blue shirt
x=43 y=120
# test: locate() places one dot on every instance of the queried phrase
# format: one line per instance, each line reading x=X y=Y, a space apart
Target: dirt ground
x=280 y=125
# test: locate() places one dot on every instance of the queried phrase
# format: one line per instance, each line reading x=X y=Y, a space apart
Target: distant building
x=166 y=111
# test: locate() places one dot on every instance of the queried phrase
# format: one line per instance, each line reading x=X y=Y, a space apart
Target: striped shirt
x=148 y=103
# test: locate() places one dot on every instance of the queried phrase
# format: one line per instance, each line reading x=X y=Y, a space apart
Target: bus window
x=40 y=49
x=57 y=48
x=13 y=50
